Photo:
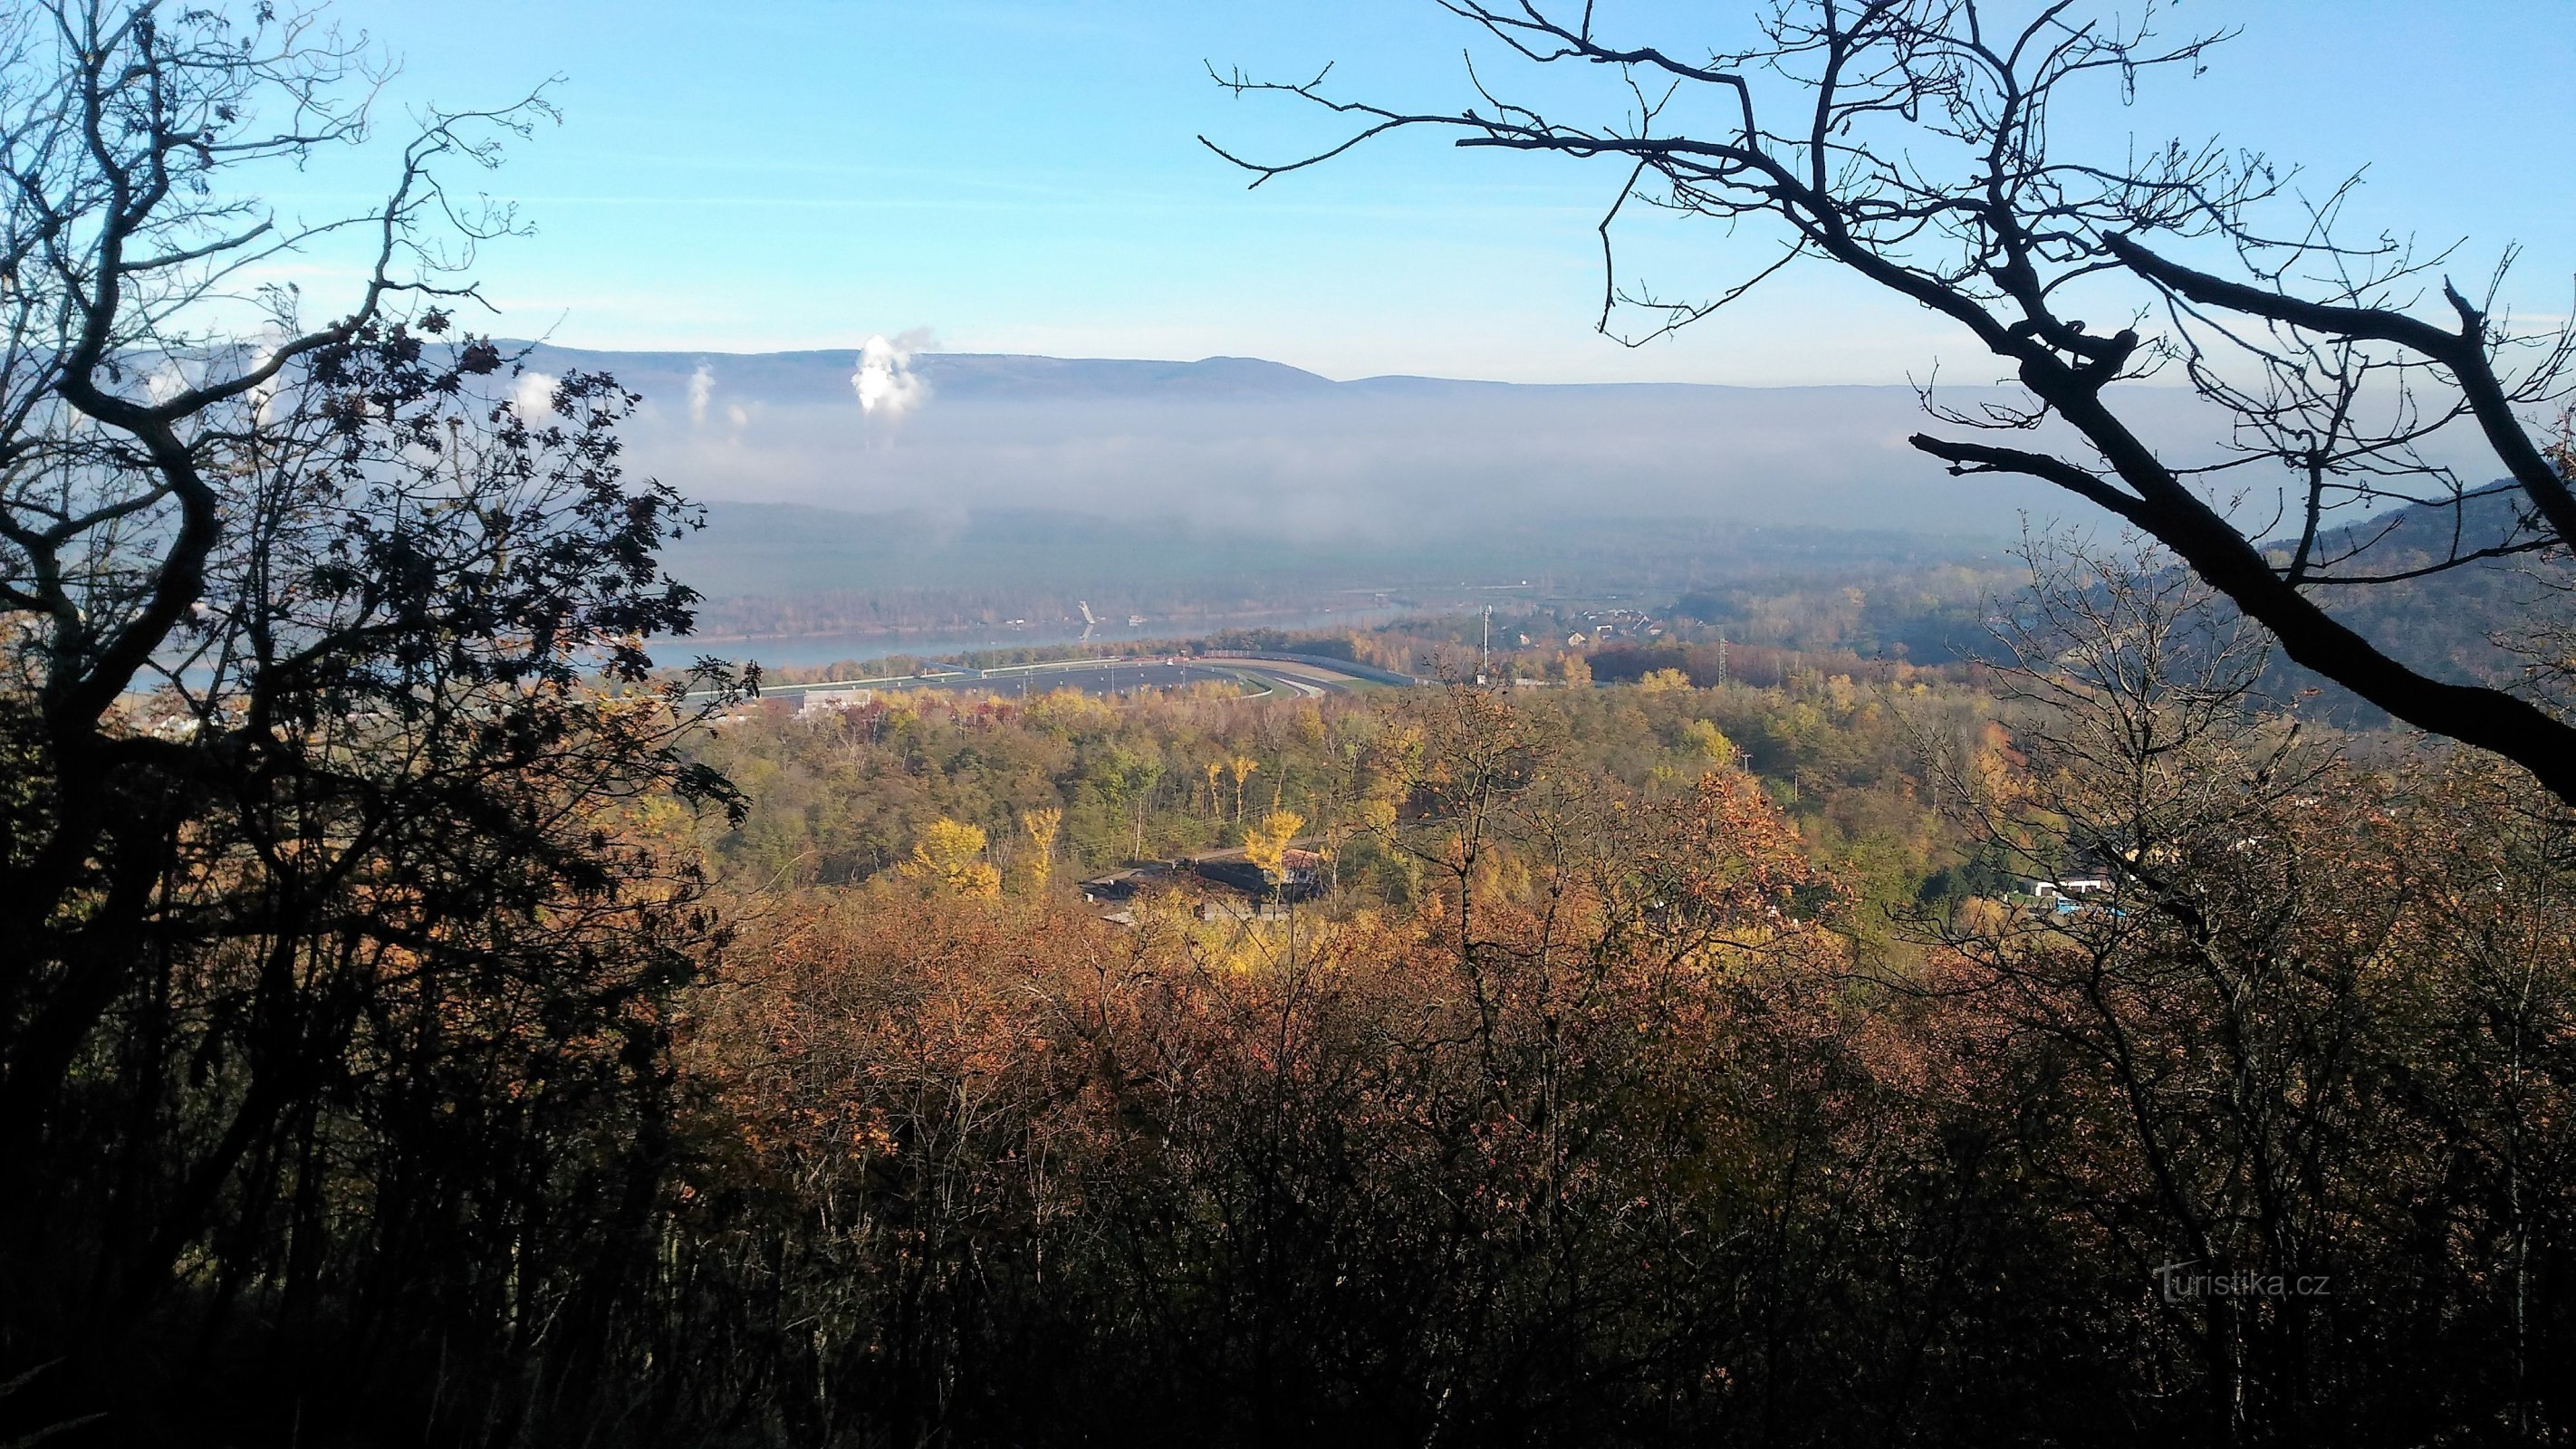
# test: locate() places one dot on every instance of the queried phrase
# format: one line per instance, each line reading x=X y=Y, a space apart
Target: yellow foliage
x=1711 y=742
x=1663 y=681
x=1242 y=766
x=1042 y=825
x=950 y=855
x=1994 y=768
x=1266 y=844
x=1070 y=711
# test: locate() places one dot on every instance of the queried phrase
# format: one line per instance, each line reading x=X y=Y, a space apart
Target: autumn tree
x=332 y=735
x=1909 y=142
x=898 y=1152
x=1178 y=1178
x=2228 y=990
x=950 y=857
x=1241 y=767
x=1711 y=743
x=1042 y=825
x=1127 y=781
x=1663 y=681
x=1266 y=844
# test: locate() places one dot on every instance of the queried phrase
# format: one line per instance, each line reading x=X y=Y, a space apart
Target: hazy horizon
x=1233 y=446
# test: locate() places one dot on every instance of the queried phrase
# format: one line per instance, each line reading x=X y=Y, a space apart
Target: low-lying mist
x=1243 y=446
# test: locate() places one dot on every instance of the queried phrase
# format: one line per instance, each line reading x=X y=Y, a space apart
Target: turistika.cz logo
x=2180 y=1285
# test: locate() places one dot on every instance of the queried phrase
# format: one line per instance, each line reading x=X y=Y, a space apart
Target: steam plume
x=534 y=396
x=884 y=380
x=702 y=386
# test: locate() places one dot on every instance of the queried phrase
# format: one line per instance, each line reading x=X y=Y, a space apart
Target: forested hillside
x=1883 y=997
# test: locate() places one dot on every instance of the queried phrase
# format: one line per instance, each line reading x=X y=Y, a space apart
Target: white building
x=821 y=701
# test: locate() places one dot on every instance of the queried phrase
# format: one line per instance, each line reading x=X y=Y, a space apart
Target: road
x=1262 y=678
x=1091 y=676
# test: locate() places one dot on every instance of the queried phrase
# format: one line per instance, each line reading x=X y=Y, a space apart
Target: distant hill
x=1244 y=445
x=2441 y=624
x=1003 y=484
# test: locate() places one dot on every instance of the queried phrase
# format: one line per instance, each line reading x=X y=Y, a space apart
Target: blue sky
x=1023 y=176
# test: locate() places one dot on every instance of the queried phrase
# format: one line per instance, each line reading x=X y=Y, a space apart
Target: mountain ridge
x=1257 y=446
x=844 y=359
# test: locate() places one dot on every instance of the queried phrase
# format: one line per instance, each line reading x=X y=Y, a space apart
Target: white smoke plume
x=702 y=387
x=738 y=415
x=534 y=396
x=884 y=380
